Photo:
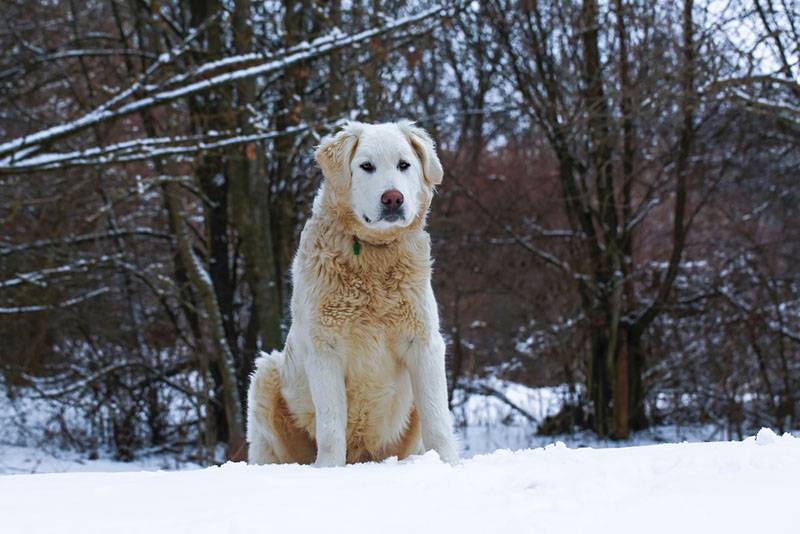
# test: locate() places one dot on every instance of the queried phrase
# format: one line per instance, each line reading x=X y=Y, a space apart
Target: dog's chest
x=383 y=297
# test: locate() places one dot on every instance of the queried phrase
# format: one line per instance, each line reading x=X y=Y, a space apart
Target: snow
x=16 y=460
x=766 y=436
x=485 y=423
x=686 y=487
x=482 y=409
x=726 y=487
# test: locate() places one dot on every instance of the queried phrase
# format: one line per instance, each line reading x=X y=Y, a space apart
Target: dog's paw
x=450 y=455
x=448 y=451
x=329 y=461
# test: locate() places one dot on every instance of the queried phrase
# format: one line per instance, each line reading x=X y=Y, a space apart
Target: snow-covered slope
x=750 y=486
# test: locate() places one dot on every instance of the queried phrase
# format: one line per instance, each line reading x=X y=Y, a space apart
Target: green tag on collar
x=356 y=246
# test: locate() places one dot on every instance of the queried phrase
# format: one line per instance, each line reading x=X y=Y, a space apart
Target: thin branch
x=81 y=239
x=61 y=305
x=265 y=65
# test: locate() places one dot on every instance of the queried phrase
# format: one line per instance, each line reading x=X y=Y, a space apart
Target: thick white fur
x=362 y=376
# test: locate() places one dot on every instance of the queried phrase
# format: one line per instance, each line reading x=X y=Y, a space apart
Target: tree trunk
x=621 y=390
x=600 y=381
x=457 y=362
x=220 y=351
x=636 y=364
x=250 y=200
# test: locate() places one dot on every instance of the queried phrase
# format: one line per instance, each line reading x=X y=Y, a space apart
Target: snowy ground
x=730 y=487
x=31 y=460
x=725 y=487
x=486 y=424
x=27 y=446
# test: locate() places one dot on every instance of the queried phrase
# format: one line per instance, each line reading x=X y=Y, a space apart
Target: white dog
x=362 y=376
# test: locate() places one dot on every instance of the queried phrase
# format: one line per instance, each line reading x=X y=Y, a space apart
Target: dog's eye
x=367 y=166
x=403 y=165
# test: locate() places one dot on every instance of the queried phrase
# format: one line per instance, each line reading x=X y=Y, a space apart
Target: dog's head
x=385 y=173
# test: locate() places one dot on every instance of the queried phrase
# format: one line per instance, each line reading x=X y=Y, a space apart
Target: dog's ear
x=335 y=152
x=426 y=150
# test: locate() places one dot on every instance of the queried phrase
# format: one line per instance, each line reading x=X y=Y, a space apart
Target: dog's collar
x=358 y=244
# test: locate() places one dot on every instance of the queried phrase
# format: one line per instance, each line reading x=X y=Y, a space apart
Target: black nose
x=392 y=199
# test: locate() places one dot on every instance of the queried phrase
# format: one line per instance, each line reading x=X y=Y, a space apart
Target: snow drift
x=749 y=486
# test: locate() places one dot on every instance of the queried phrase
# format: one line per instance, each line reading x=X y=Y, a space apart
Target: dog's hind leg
x=260 y=405
x=272 y=434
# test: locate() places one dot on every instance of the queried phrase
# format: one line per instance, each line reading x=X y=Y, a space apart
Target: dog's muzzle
x=392 y=206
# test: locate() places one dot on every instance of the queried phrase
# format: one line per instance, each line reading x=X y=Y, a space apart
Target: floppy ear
x=426 y=150
x=335 y=152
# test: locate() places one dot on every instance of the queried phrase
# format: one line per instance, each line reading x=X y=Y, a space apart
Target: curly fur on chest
x=377 y=289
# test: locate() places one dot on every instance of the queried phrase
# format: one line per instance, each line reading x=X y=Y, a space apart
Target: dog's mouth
x=388 y=217
x=393 y=216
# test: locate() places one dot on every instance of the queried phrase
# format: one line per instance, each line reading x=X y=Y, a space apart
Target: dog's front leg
x=429 y=384
x=326 y=382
